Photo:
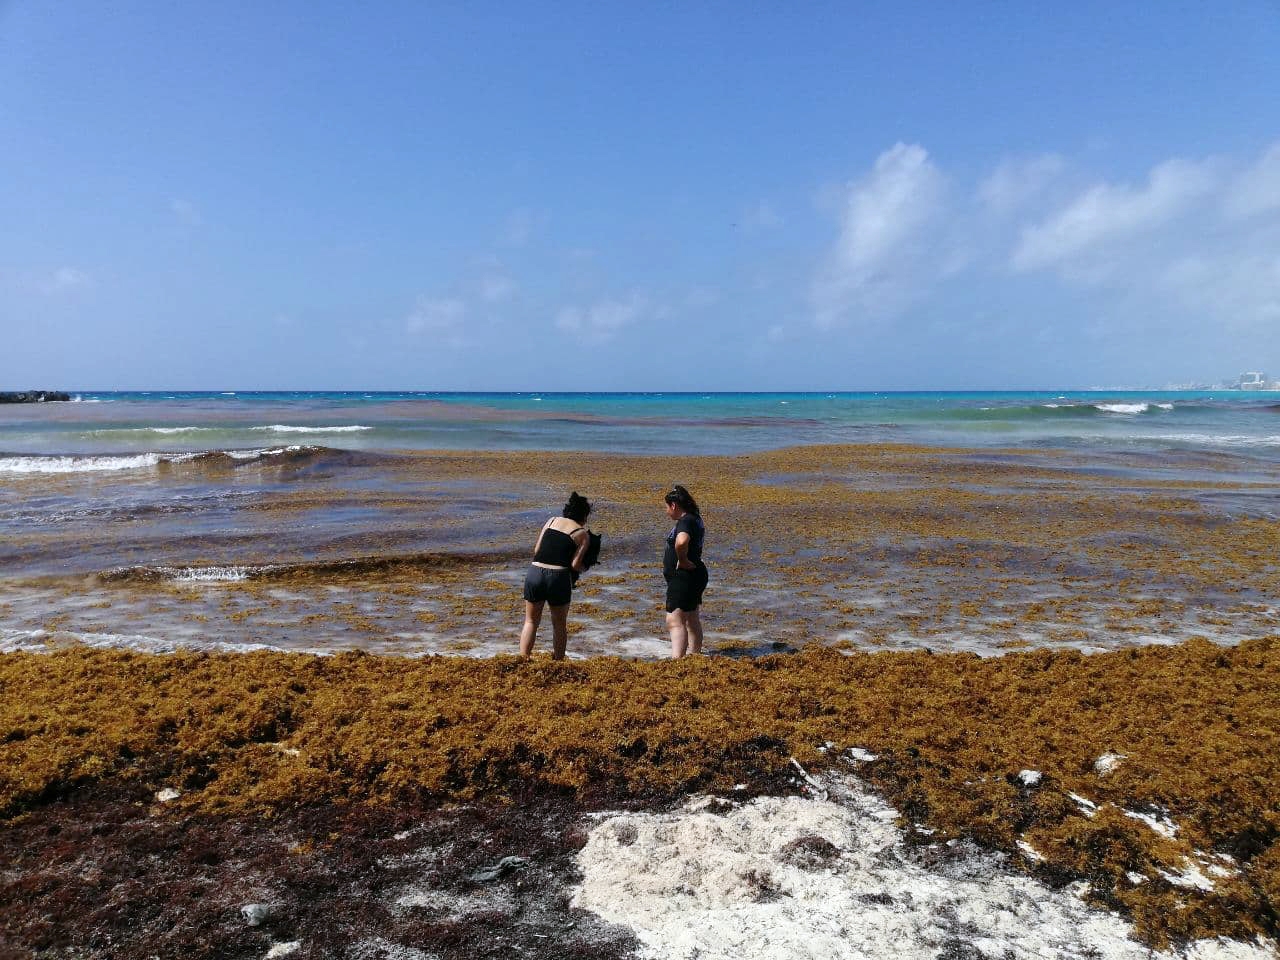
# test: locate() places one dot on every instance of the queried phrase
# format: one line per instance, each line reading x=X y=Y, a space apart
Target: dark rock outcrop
x=33 y=396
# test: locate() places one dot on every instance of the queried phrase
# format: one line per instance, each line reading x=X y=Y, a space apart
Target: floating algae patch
x=873 y=546
x=952 y=736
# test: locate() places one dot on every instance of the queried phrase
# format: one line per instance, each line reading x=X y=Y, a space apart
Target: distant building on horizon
x=1250 y=380
x=1255 y=380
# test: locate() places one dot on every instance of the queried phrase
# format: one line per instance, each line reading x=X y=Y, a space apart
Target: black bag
x=592 y=556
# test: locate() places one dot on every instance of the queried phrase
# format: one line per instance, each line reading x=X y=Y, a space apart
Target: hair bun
x=578 y=508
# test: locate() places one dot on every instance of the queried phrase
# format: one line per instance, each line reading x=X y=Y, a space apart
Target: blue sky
x=622 y=196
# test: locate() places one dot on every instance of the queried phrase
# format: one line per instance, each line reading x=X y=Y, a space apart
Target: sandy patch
x=794 y=878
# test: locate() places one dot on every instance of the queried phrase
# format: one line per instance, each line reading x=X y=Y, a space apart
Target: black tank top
x=557 y=549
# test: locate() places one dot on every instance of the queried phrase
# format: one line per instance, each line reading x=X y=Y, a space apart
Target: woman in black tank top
x=557 y=560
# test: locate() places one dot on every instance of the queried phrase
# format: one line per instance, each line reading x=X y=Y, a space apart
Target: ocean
x=401 y=522
x=129 y=430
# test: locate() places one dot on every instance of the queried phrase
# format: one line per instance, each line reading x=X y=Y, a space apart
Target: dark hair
x=683 y=499
x=578 y=508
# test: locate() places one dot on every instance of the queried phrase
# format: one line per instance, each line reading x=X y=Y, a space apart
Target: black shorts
x=684 y=589
x=553 y=586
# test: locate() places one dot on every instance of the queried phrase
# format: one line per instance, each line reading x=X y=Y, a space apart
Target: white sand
x=704 y=884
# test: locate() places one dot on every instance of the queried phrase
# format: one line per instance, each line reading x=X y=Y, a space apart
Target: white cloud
x=1107 y=213
x=67 y=278
x=442 y=319
x=871 y=270
x=604 y=319
x=186 y=212
x=1189 y=254
x=1239 y=288
x=1196 y=249
x=1017 y=181
x=1256 y=191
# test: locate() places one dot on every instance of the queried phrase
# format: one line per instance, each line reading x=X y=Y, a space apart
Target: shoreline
x=865 y=547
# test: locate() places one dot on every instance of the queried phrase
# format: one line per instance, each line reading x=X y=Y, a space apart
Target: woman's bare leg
x=559 y=631
x=679 y=633
x=532 y=617
x=693 y=621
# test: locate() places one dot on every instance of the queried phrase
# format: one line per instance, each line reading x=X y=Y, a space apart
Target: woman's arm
x=682 y=551
x=540 y=533
x=581 y=539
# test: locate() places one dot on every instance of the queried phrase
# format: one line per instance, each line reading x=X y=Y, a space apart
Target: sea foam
x=286 y=428
x=139 y=461
x=1123 y=407
x=77 y=464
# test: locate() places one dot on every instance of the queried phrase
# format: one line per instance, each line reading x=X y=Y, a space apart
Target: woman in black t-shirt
x=685 y=573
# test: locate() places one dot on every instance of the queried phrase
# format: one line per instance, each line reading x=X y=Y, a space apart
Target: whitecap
x=268 y=451
x=206 y=574
x=286 y=428
x=77 y=464
x=1123 y=407
x=160 y=430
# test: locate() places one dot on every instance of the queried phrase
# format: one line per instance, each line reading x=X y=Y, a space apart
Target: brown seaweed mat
x=306 y=772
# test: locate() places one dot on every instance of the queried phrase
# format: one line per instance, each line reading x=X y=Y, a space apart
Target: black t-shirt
x=691 y=524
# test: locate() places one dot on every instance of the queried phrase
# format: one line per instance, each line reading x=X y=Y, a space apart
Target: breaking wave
x=143 y=461
x=285 y=428
x=267 y=428
x=1066 y=409
x=77 y=464
x=1132 y=407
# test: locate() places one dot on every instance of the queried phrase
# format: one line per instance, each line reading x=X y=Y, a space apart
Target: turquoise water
x=115 y=424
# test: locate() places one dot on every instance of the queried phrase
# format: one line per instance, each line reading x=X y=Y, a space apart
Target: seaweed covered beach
x=437 y=804
x=959 y=703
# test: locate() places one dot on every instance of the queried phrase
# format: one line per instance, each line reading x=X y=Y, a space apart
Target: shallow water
x=418 y=555
x=155 y=520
